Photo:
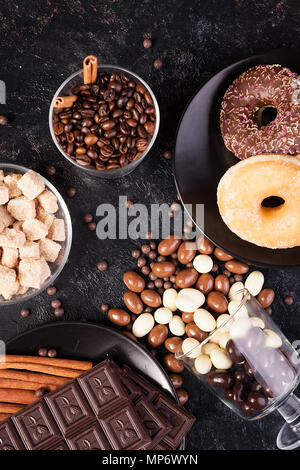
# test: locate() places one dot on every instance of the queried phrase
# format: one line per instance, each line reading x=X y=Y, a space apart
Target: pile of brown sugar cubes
x=29 y=232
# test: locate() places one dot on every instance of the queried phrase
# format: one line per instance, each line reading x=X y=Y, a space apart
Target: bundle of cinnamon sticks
x=22 y=377
x=90 y=71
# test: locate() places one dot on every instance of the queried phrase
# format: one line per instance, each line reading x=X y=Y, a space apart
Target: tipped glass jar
x=250 y=365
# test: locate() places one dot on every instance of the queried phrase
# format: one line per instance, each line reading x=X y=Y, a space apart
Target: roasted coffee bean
x=220 y=379
x=157 y=335
x=118 y=316
x=217 y=302
x=205 y=283
x=134 y=281
x=103 y=112
x=176 y=380
x=186 y=278
x=172 y=364
x=133 y=302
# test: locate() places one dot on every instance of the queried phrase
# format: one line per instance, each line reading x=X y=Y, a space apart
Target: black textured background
x=41 y=44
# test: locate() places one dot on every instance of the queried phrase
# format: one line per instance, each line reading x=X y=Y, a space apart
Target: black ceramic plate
x=91 y=342
x=201 y=159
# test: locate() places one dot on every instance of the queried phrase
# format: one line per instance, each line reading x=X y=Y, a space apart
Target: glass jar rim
x=245 y=296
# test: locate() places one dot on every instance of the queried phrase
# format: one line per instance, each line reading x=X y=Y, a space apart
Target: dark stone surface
x=41 y=44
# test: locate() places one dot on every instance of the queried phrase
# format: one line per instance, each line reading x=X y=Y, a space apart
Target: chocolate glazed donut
x=261 y=87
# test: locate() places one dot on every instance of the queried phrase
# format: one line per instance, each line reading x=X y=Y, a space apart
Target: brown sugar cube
x=10 y=257
x=4 y=196
x=29 y=250
x=21 y=208
x=11 y=181
x=9 y=285
x=57 y=230
x=34 y=229
x=31 y=184
x=5 y=218
x=12 y=238
x=44 y=216
x=49 y=249
x=33 y=272
x=48 y=201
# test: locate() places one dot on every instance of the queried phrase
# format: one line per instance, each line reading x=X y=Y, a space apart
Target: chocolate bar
x=106 y=408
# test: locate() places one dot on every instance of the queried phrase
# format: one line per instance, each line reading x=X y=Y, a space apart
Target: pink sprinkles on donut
x=260 y=87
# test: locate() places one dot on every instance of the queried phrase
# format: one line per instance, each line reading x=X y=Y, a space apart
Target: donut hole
x=266 y=115
x=272 y=201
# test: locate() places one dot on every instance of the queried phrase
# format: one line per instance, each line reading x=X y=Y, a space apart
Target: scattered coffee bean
x=87 y=218
x=71 y=192
x=42 y=352
x=92 y=226
x=51 y=290
x=147 y=43
x=128 y=204
x=59 y=312
x=25 y=312
x=52 y=353
x=102 y=265
x=40 y=392
x=167 y=155
x=288 y=300
x=55 y=303
x=3 y=120
x=158 y=64
x=51 y=170
x=135 y=253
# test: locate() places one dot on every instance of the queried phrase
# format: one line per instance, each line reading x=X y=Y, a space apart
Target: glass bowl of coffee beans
x=107 y=127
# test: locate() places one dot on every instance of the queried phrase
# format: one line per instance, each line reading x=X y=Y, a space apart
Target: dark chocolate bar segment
x=177 y=417
x=37 y=427
x=142 y=385
x=92 y=438
x=70 y=408
x=9 y=439
x=124 y=428
x=152 y=420
x=103 y=388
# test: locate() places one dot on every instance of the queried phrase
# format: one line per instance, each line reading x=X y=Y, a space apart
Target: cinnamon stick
x=64 y=101
x=4 y=416
x=10 y=408
x=66 y=363
x=44 y=369
x=23 y=397
x=90 y=64
x=41 y=379
x=25 y=385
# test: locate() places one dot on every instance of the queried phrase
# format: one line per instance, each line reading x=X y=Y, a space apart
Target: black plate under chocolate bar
x=201 y=159
x=93 y=342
